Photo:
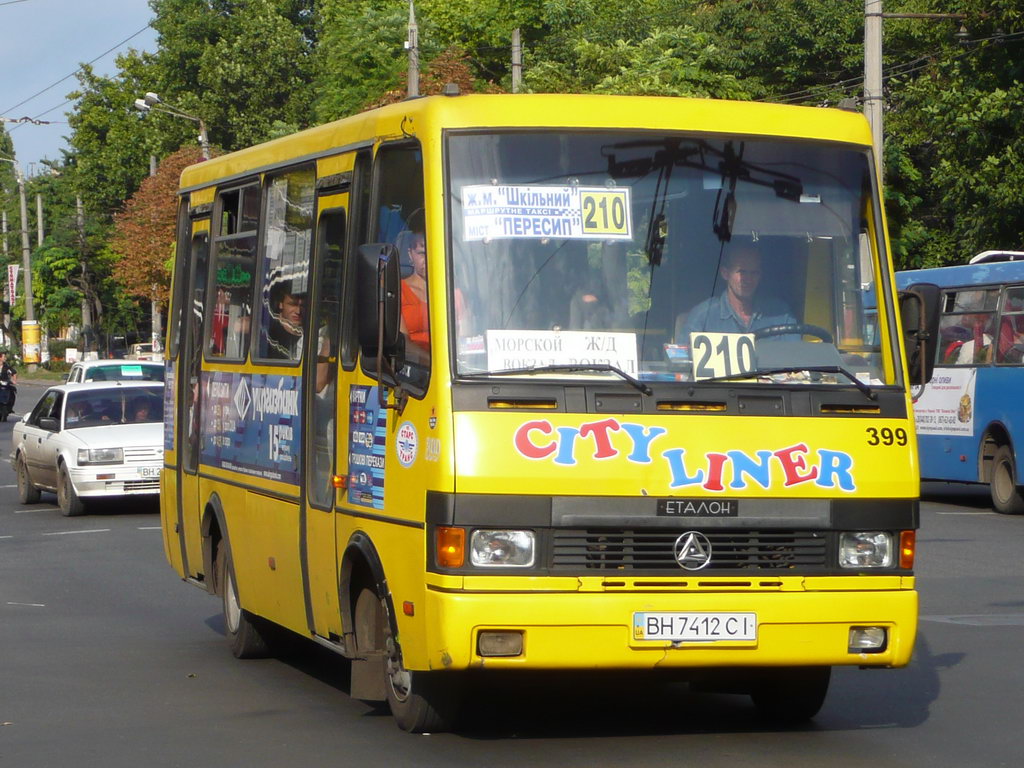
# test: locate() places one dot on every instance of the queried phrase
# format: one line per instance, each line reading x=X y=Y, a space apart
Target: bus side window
x=284 y=296
x=400 y=220
x=234 y=263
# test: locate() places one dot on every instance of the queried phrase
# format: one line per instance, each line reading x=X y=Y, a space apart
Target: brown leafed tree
x=450 y=66
x=144 y=230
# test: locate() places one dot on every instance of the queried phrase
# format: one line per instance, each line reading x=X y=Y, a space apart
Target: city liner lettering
x=790 y=465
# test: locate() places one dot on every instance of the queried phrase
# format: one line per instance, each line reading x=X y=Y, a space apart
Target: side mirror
x=49 y=423
x=919 y=316
x=378 y=286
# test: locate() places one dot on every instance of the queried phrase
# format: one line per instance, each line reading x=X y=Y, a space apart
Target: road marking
x=6 y=537
x=68 y=533
x=30 y=605
x=35 y=509
x=981 y=620
x=965 y=513
x=9 y=486
x=150 y=528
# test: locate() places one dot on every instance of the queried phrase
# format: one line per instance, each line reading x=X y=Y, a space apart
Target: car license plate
x=150 y=471
x=695 y=627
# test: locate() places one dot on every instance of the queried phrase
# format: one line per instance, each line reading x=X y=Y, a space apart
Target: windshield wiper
x=567 y=368
x=801 y=369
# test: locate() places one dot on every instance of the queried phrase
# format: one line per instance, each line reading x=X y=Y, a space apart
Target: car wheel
x=419 y=701
x=1006 y=496
x=244 y=636
x=27 y=493
x=791 y=695
x=67 y=498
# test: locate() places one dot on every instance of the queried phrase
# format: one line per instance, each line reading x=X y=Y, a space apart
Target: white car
x=86 y=441
x=115 y=370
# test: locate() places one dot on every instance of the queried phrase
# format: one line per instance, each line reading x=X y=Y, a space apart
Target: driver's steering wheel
x=796 y=329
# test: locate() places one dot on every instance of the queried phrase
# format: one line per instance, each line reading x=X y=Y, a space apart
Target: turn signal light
x=451 y=547
x=908 y=540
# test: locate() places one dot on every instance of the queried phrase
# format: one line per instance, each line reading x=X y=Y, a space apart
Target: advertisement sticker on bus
x=496 y=212
x=251 y=424
x=367 y=438
x=946 y=406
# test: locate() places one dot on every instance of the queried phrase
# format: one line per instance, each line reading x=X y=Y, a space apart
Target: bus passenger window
x=233 y=267
x=286 y=249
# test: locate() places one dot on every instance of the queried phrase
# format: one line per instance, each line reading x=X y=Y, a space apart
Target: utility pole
x=39 y=219
x=88 y=332
x=26 y=252
x=517 y=61
x=873 y=75
x=156 y=330
x=5 y=234
x=413 y=44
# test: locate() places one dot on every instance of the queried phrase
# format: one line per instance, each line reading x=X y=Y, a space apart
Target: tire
x=67 y=498
x=1006 y=496
x=420 y=702
x=244 y=637
x=27 y=493
x=791 y=696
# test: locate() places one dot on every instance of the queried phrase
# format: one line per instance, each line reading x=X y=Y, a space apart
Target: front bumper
x=593 y=630
x=117 y=480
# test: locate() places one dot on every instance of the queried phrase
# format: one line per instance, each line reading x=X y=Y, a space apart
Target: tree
x=143 y=236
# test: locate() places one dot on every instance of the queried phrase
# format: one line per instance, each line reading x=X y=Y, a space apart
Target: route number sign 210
x=721 y=354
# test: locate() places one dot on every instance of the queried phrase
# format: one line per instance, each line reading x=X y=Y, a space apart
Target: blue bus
x=970 y=414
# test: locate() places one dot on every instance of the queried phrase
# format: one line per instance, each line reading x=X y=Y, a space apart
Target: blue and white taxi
x=90 y=441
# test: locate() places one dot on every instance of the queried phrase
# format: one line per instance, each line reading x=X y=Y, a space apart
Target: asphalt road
x=107 y=659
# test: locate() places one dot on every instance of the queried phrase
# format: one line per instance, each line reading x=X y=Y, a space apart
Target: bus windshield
x=662 y=256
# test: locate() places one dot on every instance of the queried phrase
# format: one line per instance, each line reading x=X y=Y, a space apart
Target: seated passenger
x=415 y=322
x=78 y=413
x=739 y=308
x=142 y=410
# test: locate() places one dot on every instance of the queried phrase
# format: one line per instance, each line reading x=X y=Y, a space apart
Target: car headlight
x=501 y=549
x=865 y=549
x=100 y=456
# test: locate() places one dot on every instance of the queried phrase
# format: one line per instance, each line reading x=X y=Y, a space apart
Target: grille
x=653 y=549
x=135 y=455
x=136 y=485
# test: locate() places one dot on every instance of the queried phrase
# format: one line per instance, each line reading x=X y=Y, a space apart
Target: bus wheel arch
x=998 y=467
x=213 y=530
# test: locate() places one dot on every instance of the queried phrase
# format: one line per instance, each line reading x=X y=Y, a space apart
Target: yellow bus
x=535 y=382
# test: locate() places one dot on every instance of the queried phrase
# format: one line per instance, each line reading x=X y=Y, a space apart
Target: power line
x=54 y=85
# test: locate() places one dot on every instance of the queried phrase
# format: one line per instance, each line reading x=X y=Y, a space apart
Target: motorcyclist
x=8 y=379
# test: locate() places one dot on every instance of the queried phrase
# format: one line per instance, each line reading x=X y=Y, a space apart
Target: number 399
x=887 y=436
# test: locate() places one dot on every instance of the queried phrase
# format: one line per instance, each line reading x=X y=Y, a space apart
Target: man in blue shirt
x=739 y=308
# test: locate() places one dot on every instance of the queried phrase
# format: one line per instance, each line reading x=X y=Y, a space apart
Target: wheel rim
x=1002 y=481
x=399 y=678
x=232 y=610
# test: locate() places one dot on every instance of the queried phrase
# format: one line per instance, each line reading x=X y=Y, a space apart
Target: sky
x=46 y=41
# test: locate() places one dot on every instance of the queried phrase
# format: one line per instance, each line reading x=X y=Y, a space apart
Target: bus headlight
x=865 y=549
x=100 y=456
x=501 y=549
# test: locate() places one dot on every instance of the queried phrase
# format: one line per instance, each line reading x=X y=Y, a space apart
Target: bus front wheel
x=791 y=696
x=420 y=702
x=1006 y=496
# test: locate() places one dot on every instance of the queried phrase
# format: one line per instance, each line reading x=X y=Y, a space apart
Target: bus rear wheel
x=1006 y=496
x=244 y=637
x=791 y=696
x=420 y=702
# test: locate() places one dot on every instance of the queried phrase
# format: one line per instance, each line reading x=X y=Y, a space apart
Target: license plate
x=695 y=627
x=150 y=471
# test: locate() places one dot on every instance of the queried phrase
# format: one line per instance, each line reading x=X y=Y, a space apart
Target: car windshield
x=104 y=407
x=666 y=257
x=125 y=372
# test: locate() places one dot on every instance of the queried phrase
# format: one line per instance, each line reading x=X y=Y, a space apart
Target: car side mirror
x=919 y=317
x=49 y=423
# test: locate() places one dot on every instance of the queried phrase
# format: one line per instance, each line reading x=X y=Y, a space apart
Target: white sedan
x=85 y=441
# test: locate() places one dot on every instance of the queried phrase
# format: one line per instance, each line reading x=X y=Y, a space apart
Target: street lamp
x=152 y=102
